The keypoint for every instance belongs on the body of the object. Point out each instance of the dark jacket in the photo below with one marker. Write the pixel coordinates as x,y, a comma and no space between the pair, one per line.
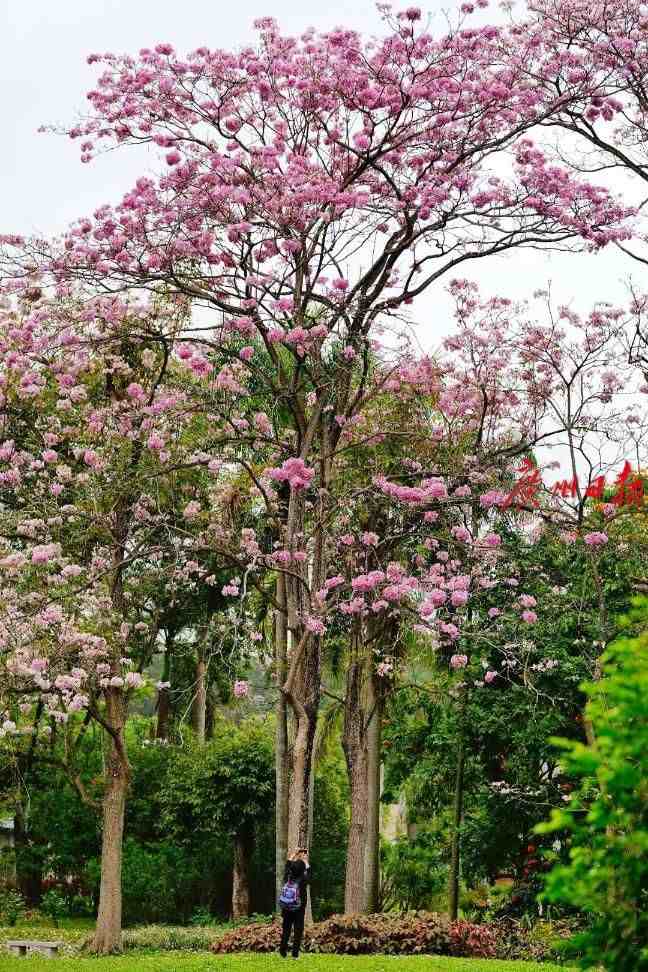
298,872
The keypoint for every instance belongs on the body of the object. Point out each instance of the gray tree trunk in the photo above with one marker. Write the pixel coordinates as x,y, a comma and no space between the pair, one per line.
372,841
282,775
108,935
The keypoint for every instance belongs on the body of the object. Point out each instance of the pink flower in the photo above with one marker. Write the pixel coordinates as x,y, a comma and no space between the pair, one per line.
91,458
44,553
527,600
437,597
173,157
293,471
529,616
370,539
461,533
384,669
494,612
493,498
458,661
459,598
595,539
136,392
246,353
191,510
241,689
492,540
315,625
490,676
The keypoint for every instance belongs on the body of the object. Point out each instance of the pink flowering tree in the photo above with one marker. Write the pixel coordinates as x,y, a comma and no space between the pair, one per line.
510,387
311,187
96,471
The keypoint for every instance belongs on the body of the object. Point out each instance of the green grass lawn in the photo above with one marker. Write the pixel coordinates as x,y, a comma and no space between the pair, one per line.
264,963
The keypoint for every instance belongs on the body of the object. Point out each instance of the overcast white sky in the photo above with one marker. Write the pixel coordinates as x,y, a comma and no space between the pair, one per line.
44,78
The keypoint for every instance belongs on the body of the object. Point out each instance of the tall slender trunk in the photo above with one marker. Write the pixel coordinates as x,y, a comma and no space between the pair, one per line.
308,917
302,767
29,873
163,699
457,816
282,780
240,876
302,688
354,744
210,715
199,707
375,707
107,936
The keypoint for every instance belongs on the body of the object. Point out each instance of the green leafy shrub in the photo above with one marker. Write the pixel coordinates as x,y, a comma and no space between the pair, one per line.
415,872
168,938
54,905
407,934
606,820
542,941
158,882
12,906
201,917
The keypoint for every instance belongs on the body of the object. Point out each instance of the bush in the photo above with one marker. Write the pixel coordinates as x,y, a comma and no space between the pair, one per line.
415,872
158,883
407,934
54,905
171,938
202,918
606,820
543,941
472,941
12,906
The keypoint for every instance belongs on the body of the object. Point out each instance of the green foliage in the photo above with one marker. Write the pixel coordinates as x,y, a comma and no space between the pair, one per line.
54,905
224,787
12,906
330,830
155,882
201,918
414,871
170,938
606,820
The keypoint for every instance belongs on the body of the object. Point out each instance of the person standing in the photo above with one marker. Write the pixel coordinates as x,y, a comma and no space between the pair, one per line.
292,900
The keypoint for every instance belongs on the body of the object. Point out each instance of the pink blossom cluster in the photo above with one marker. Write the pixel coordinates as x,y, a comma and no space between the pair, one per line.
295,472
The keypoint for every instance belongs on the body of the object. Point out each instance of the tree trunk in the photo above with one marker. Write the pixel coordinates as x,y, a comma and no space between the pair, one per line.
199,708
372,840
455,857
282,780
355,750
241,880
29,874
308,916
210,715
163,699
302,767
107,938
